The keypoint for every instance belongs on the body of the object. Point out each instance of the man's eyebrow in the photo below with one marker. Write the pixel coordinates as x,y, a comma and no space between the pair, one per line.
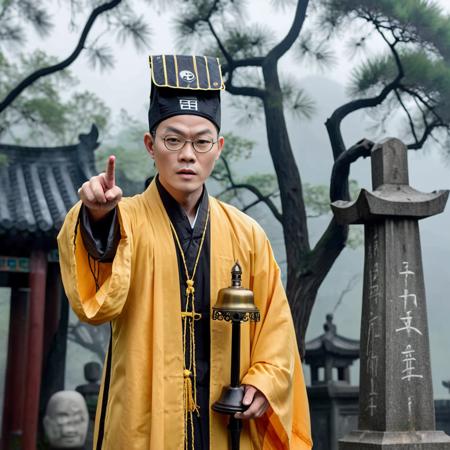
205,131
171,129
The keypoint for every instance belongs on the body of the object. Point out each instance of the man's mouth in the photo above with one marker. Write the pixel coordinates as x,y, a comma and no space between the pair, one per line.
185,172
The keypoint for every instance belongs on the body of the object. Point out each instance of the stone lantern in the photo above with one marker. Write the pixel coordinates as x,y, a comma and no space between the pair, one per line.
333,401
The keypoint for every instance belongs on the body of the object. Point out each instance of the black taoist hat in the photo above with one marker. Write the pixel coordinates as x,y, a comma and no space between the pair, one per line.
182,84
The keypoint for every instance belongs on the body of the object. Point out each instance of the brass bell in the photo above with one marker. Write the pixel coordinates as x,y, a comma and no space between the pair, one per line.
235,302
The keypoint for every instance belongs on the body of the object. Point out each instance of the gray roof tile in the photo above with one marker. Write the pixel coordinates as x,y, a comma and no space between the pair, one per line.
39,185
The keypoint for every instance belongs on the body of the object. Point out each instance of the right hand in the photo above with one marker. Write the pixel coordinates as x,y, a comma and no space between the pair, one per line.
100,194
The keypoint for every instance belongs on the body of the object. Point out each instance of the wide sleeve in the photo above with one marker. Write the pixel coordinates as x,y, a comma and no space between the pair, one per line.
275,362
97,291
102,237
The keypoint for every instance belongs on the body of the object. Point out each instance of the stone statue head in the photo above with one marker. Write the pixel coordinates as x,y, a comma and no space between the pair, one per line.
66,420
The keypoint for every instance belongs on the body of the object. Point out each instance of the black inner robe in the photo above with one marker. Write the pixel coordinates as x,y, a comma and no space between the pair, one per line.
101,241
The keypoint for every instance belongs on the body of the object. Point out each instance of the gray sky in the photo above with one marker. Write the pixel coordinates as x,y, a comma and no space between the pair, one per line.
127,86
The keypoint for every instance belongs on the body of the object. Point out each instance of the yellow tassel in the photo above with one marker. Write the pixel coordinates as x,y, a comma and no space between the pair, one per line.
190,287
189,378
190,404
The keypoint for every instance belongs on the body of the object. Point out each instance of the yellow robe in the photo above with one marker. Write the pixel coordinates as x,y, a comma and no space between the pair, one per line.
140,295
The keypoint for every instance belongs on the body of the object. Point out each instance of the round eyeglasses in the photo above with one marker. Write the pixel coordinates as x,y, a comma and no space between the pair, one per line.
176,143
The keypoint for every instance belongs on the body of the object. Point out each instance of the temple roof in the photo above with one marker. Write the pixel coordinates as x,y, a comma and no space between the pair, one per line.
38,185
330,343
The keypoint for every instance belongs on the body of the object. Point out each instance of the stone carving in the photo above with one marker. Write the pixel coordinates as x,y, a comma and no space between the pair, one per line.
396,409
66,420
333,401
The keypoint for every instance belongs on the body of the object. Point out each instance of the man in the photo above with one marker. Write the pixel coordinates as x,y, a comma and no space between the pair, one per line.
152,265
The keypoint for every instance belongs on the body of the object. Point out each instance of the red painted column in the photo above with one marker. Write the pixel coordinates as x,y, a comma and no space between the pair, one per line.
12,430
38,275
52,306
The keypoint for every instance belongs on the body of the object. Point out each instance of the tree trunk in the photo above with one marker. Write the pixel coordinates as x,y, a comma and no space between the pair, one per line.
295,226
306,268
302,292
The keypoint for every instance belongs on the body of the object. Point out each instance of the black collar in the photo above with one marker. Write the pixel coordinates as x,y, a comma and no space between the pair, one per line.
178,216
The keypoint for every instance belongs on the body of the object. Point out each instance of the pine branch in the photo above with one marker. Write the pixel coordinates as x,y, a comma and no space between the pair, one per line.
222,48
255,203
333,124
348,288
424,101
255,61
14,93
247,91
418,143
408,114
286,43
341,168
253,189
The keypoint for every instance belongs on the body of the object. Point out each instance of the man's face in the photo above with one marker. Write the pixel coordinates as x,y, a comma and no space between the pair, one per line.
183,172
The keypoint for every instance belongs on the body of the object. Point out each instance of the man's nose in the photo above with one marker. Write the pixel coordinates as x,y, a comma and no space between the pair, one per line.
187,153
69,429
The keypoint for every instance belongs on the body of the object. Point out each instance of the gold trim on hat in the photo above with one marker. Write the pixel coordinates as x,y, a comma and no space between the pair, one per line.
220,86
166,81
176,70
194,60
207,72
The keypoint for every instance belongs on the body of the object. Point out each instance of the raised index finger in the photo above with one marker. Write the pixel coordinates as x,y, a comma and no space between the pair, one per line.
110,174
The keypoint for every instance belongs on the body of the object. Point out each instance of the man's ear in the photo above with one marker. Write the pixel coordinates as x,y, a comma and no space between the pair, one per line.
220,144
149,142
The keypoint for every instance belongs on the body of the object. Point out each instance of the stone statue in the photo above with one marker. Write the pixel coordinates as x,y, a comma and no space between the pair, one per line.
66,420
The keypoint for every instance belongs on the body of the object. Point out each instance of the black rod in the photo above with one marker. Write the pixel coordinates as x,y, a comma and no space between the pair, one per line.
235,427
235,354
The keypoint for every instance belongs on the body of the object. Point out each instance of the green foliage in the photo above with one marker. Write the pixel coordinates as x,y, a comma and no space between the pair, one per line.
50,111
355,237
16,15
43,114
313,51
416,34
317,199
194,19
265,182
247,109
430,78
235,149
127,145
253,40
3,159
413,21
296,100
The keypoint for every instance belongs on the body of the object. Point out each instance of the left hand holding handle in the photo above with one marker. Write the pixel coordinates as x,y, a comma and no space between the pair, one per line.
258,403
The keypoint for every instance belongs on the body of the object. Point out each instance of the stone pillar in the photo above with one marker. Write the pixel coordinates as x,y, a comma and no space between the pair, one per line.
396,409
